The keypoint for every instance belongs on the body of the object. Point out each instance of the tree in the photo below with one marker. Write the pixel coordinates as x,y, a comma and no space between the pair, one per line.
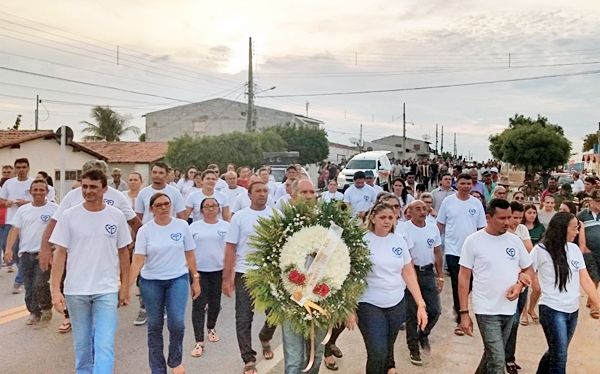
109,126
236,148
310,141
534,145
589,141
142,137
17,122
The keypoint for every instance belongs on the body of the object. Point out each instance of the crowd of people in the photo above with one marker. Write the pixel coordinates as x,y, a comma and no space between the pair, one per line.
510,263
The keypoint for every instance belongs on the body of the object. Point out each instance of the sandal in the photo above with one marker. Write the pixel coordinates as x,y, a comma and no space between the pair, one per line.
331,366
534,317
250,368
266,350
212,336
65,327
458,331
198,350
524,321
595,313
336,351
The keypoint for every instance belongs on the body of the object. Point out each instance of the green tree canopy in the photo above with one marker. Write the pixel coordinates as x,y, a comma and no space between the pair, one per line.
310,141
109,125
534,145
589,141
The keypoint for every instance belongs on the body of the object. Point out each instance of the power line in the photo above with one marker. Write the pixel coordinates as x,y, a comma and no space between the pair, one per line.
539,77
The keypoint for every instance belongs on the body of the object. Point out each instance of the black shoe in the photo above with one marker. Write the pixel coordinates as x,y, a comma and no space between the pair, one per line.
511,368
415,358
403,326
424,340
335,351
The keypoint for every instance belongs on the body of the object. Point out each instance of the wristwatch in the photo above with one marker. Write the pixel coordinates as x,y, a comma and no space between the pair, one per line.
196,275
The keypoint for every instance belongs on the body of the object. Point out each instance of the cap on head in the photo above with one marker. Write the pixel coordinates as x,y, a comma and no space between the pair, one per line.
494,169
369,174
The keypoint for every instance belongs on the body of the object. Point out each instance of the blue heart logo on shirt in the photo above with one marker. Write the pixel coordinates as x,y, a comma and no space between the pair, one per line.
575,264
430,242
511,252
397,251
366,197
111,229
176,236
109,202
45,218
472,211
221,233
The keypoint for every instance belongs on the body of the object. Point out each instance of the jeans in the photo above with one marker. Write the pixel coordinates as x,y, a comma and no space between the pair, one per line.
37,288
4,230
494,330
172,295
94,321
559,328
431,296
511,344
210,296
379,328
296,350
453,268
244,314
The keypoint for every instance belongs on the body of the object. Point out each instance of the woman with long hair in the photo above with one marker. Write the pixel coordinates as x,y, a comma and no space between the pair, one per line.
562,273
381,309
536,231
192,203
185,184
401,192
134,181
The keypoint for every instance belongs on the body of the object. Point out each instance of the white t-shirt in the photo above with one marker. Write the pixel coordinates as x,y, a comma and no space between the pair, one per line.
14,189
361,199
389,255
568,300
142,203
241,227
185,187
578,186
31,222
209,239
194,200
51,194
282,200
111,197
243,201
92,240
496,262
233,193
377,189
279,192
273,188
221,185
462,218
522,232
164,248
328,196
425,240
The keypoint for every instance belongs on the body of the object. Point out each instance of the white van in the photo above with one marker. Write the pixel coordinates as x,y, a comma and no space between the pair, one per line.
376,161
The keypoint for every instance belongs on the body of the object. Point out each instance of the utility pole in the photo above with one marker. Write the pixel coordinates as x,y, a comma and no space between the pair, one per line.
250,120
454,145
37,107
307,104
509,60
360,140
436,139
442,143
404,130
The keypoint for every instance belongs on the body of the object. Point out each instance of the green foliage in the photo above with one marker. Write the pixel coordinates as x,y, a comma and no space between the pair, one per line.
236,148
109,126
265,281
589,141
310,141
142,137
534,145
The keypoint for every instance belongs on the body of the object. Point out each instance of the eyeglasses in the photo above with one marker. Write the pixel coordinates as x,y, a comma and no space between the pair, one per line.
428,201
162,205
210,207
520,198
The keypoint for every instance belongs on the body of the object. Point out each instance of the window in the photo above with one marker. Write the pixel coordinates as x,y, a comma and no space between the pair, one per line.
417,147
70,175
361,164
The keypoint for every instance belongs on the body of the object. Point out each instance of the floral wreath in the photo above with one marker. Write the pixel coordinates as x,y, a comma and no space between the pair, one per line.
287,243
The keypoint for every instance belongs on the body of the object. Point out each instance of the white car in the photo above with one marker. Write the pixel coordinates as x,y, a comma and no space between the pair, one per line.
376,161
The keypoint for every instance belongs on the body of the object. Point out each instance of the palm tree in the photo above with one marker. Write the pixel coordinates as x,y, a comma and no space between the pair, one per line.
109,126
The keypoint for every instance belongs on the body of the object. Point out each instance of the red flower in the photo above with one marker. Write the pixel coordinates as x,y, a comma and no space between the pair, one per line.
321,289
297,277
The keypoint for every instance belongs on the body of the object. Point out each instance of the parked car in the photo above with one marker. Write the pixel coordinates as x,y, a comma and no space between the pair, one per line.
376,161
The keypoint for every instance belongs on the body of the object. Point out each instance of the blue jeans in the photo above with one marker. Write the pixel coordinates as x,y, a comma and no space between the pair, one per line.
379,328
511,344
296,350
172,295
494,330
4,230
559,328
94,320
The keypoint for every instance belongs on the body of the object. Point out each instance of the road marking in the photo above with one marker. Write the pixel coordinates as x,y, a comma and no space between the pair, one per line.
12,314
264,366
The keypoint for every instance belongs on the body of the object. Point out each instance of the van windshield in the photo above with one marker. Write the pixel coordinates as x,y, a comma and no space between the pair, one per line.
361,164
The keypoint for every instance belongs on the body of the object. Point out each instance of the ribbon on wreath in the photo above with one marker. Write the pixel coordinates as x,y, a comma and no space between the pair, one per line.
315,272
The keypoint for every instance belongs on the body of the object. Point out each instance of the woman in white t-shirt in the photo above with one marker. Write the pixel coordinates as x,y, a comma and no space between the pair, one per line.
134,181
185,184
192,203
399,188
332,192
209,238
562,273
164,258
381,309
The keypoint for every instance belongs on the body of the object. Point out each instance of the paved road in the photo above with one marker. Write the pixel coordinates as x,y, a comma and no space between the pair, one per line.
43,350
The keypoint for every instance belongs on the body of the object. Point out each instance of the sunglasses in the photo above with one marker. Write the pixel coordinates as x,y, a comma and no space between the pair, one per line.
162,205
520,198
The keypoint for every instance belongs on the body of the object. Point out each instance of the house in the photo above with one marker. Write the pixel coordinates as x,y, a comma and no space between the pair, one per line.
215,117
341,153
42,149
415,148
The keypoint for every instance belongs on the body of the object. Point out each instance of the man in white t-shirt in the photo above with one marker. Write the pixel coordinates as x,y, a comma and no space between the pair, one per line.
360,196
497,260
237,247
96,237
243,200
577,185
233,190
427,258
459,216
265,173
221,185
291,172
370,180
159,174
28,226
15,193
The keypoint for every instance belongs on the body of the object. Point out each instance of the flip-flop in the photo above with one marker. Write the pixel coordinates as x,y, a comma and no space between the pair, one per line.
250,368
65,327
458,331
524,321
595,313
331,366
266,350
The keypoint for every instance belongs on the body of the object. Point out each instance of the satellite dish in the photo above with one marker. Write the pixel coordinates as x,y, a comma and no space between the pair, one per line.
69,135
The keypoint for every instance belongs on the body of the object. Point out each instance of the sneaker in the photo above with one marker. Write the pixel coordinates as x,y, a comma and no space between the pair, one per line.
17,288
46,315
424,340
415,358
198,350
32,320
141,318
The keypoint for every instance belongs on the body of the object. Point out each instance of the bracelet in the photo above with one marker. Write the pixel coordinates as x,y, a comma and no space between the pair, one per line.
463,311
196,275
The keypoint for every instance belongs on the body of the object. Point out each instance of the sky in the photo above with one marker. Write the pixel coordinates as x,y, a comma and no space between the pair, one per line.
172,53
